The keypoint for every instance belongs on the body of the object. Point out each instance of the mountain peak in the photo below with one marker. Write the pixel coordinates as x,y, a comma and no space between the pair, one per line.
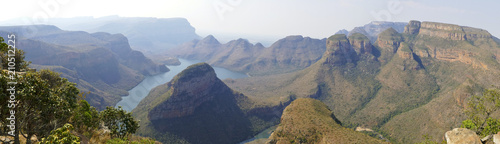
210,39
195,70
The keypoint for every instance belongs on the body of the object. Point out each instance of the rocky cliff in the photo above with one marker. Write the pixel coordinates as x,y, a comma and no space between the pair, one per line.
341,50
446,31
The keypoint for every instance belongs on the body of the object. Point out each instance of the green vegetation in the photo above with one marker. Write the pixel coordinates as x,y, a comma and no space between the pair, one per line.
357,36
62,135
20,64
338,37
479,111
47,106
311,121
119,122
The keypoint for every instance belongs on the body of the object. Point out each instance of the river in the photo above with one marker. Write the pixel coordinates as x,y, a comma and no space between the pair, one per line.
140,91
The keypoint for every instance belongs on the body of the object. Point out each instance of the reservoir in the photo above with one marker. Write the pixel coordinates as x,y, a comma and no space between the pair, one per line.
140,91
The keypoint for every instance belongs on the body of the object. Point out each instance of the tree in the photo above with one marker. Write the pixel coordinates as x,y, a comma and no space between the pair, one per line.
479,110
20,64
62,135
44,102
85,118
119,122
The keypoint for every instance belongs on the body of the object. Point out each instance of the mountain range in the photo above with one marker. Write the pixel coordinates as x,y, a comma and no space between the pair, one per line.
403,80
100,63
285,55
404,84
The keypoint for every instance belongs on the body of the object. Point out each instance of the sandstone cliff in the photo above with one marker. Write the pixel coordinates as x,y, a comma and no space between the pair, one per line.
446,31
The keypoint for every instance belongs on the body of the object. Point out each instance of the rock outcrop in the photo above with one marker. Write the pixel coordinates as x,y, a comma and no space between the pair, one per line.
462,136
446,31
404,51
339,50
389,40
360,43
413,27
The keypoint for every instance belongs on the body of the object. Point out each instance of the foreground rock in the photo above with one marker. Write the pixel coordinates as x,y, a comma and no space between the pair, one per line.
462,136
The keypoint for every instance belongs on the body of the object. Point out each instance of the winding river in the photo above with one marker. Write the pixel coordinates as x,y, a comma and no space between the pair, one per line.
140,91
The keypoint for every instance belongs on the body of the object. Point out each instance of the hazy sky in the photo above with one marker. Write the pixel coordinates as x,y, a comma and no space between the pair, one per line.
274,18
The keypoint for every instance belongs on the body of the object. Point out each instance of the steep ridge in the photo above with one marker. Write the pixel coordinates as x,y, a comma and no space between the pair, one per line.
101,63
308,120
197,107
413,83
285,55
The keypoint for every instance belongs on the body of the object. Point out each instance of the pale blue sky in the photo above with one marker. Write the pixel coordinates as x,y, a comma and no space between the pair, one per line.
271,18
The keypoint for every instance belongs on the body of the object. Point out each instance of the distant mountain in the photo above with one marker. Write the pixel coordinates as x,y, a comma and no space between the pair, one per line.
148,35
197,107
285,55
373,29
101,63
308,120
405,84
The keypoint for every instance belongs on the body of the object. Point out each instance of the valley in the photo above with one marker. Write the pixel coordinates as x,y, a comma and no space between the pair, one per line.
383,82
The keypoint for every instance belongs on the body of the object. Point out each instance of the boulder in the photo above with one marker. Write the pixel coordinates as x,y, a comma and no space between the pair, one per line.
496,138
462,136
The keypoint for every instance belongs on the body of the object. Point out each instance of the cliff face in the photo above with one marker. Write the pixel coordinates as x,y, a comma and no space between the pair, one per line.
360,43
341,50
446,31
413,27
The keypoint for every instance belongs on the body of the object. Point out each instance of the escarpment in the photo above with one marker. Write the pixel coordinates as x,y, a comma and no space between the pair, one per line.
446,31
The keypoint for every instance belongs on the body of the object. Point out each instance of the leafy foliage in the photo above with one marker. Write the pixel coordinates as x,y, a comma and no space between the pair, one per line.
44,101
85,118
119,122
20,64
62,135
479,112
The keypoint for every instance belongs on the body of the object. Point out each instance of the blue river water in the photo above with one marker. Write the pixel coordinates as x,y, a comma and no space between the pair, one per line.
140,91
